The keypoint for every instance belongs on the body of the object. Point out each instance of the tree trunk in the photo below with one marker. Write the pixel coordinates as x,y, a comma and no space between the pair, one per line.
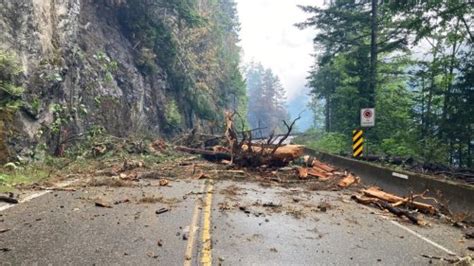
469,152
373,54
327,114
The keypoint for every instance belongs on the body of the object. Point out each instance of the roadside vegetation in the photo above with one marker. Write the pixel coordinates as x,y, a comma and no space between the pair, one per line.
412,61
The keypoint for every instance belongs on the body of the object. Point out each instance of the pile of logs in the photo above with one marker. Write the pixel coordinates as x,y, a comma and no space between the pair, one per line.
323,172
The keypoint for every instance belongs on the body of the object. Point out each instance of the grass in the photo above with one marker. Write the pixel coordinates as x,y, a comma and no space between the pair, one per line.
22,176
57,168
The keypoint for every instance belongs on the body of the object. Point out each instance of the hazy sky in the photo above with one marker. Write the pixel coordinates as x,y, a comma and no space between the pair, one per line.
268,35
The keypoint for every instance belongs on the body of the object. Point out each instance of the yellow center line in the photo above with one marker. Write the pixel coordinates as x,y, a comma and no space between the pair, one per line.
206,258
192,231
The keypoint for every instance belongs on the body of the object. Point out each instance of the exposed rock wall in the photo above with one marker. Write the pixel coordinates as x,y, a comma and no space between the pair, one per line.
68,50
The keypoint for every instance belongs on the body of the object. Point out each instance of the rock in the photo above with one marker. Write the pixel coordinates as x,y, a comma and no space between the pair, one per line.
8,199
102,203
469,233
164,182
71,61
162,210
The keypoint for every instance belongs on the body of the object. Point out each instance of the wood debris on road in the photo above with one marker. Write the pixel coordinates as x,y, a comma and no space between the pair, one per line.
348,181
102,203
8,199
377,193
164,182
400,206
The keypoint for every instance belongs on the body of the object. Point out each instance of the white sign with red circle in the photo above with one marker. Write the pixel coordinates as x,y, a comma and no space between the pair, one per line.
367,117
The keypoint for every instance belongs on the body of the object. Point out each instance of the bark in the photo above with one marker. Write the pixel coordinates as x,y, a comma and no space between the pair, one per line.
373,53
376,193
318,174
387,206
207,154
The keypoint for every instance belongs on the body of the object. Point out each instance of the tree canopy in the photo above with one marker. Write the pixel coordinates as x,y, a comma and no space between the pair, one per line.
421,67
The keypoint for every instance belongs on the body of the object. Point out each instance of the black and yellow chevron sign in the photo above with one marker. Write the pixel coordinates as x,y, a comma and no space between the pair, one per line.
357,143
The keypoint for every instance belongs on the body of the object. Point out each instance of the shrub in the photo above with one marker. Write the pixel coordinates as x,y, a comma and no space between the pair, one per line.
10,70
172,114
328,142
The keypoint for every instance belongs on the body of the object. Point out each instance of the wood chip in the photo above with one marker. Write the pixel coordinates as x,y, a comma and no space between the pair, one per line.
102,203
303,173
164,182
317,173
348,181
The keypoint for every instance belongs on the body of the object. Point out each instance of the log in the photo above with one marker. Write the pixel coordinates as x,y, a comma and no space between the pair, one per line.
385,205
364,200
318,174
206,154
8,199
400,212
376,193
348,181
322,166
284,153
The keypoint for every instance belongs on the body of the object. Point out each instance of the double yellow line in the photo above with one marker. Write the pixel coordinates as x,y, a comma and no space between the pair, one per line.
206,258
206,247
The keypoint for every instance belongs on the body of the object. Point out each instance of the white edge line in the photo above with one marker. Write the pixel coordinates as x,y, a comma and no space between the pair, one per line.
35,195
429,241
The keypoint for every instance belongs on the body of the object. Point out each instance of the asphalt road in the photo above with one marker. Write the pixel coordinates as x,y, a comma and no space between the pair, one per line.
223,222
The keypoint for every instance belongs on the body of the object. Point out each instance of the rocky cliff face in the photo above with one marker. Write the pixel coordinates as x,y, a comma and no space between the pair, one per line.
79,73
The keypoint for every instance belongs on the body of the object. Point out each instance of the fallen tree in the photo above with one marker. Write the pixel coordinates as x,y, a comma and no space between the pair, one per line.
389,207
243,152
397,201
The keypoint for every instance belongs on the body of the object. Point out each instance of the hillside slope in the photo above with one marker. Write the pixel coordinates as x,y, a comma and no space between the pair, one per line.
123,67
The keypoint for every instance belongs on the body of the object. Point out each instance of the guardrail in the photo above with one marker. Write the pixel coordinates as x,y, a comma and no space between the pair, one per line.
458,197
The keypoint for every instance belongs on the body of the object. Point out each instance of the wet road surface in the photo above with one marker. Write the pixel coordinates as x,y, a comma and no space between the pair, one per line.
218,222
